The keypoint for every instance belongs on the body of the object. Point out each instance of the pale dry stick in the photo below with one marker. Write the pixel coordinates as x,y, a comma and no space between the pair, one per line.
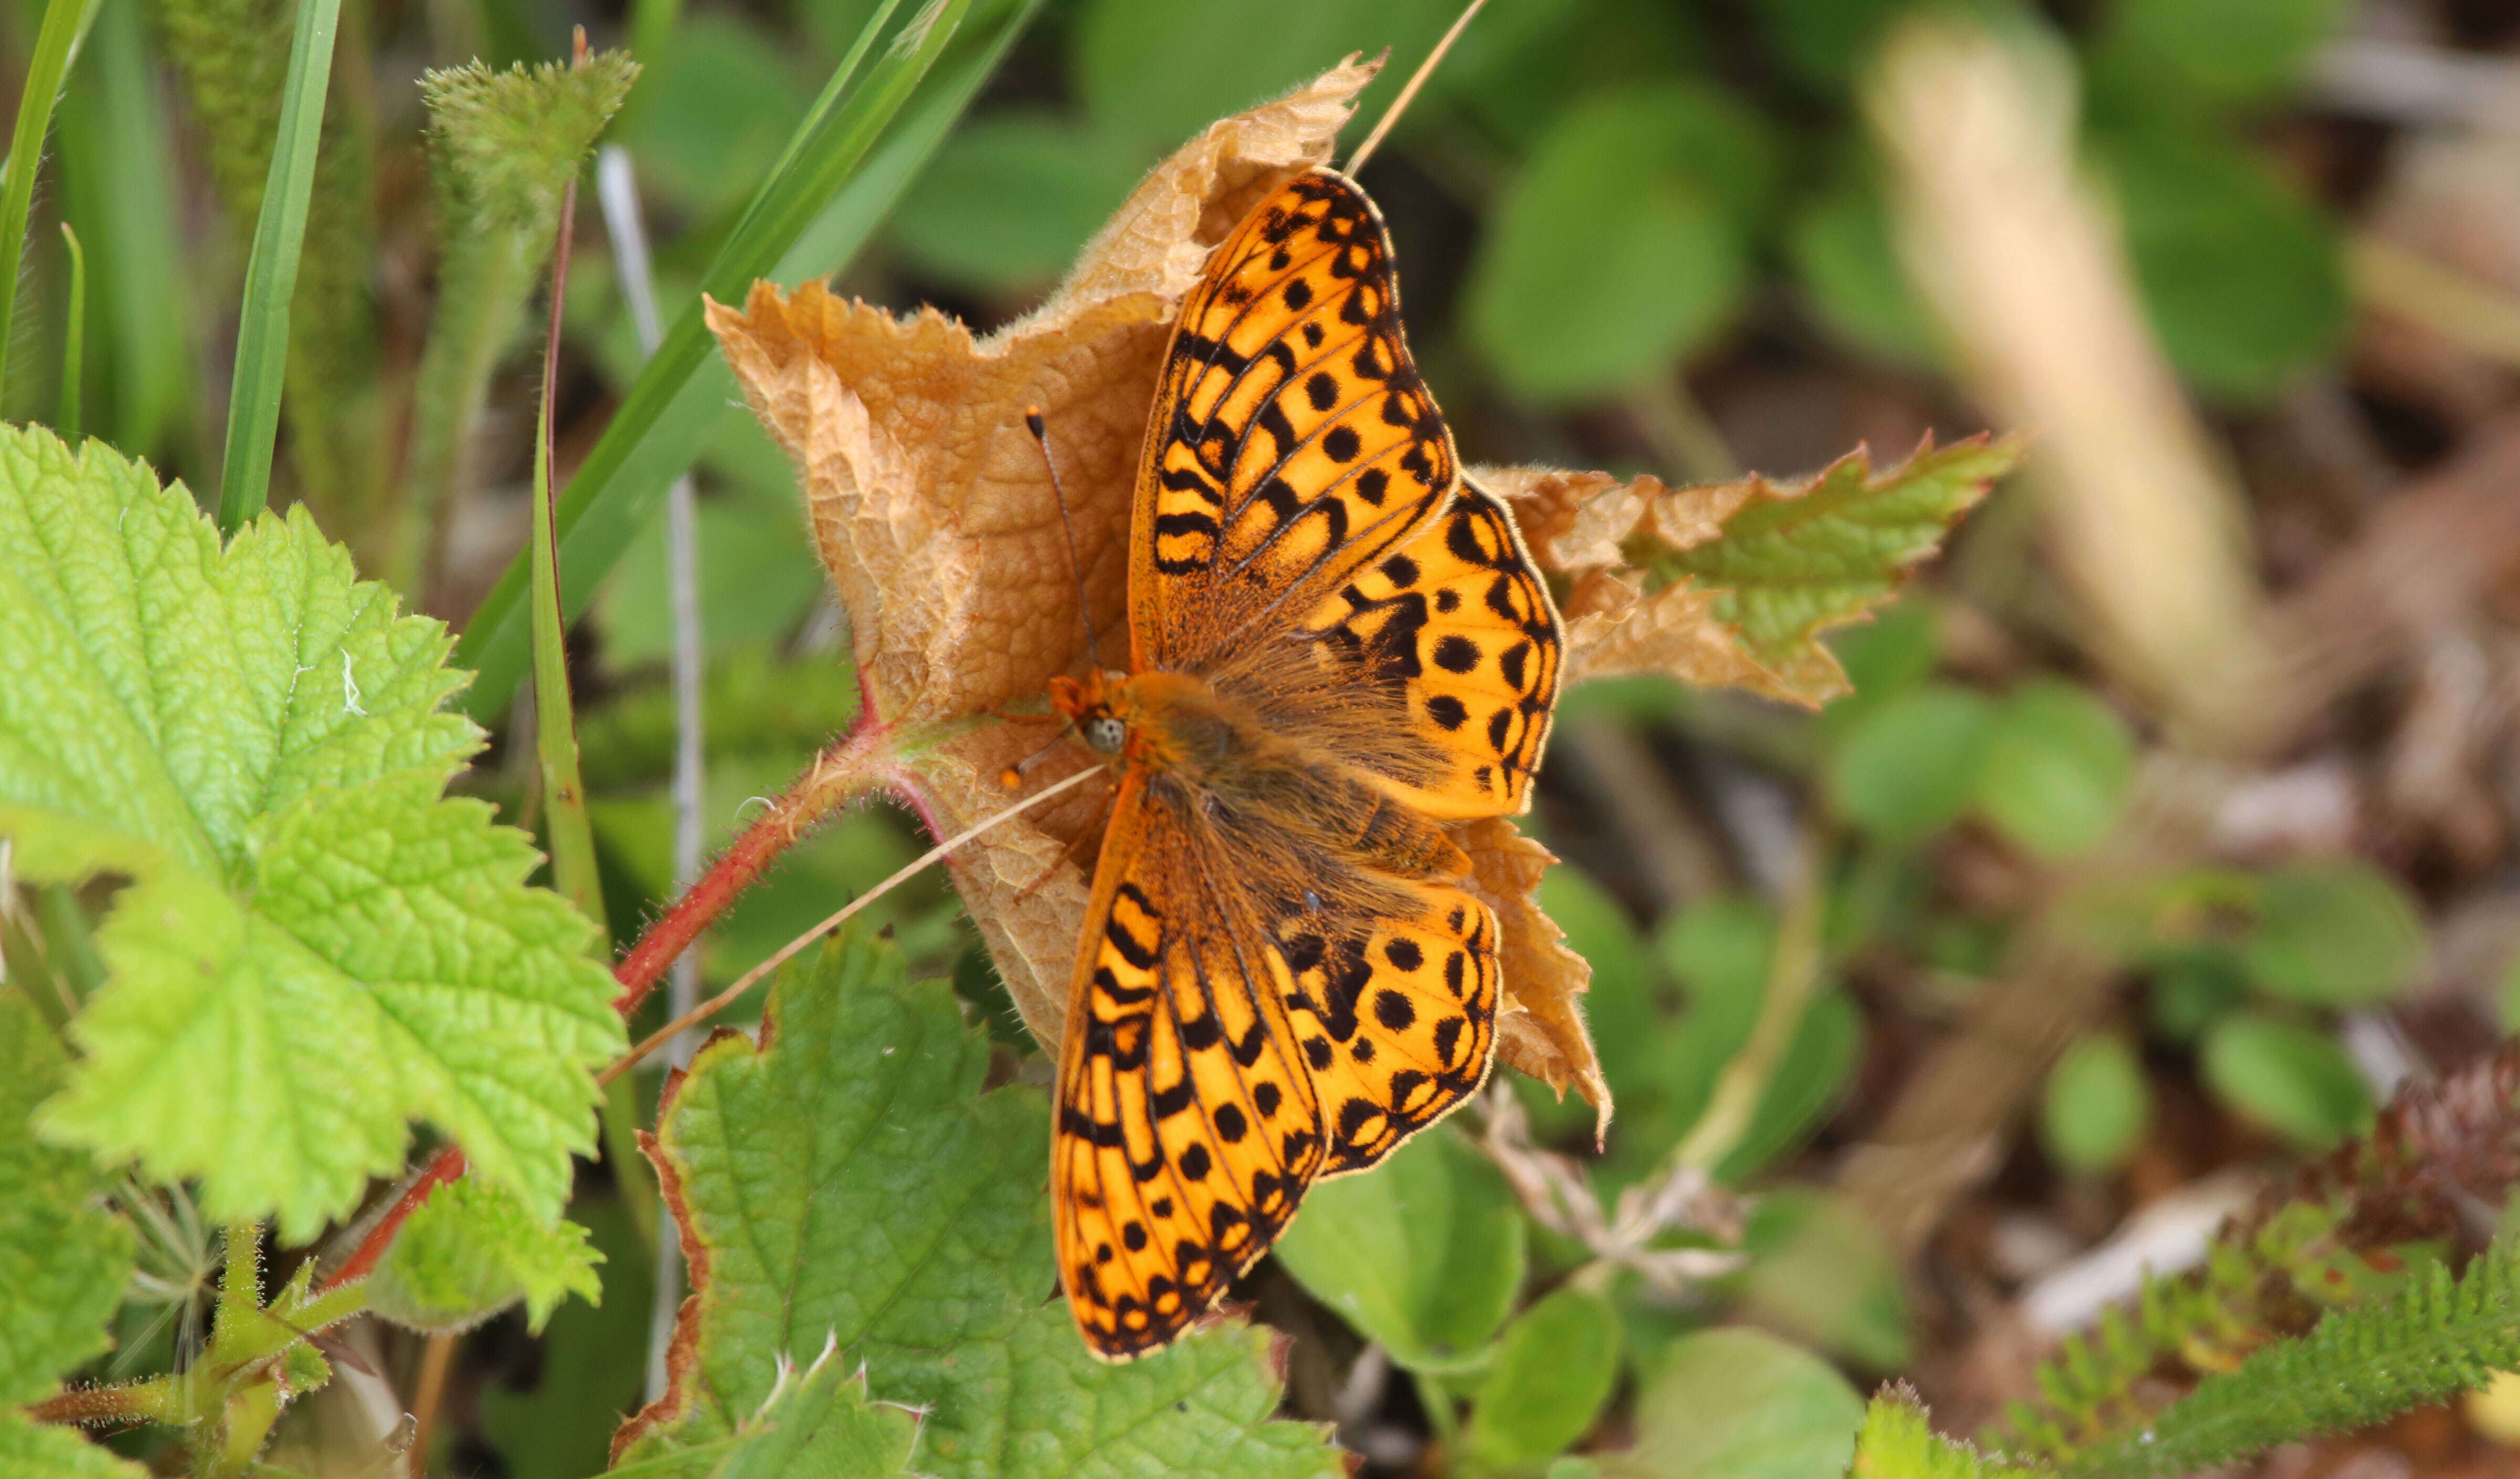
435,1359
2027,273
1409,94
1558,1193
727,997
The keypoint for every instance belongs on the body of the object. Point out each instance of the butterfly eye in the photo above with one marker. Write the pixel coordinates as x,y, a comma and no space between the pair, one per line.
1106,734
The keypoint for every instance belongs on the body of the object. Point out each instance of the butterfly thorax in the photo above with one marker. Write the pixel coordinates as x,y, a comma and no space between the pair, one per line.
1199,749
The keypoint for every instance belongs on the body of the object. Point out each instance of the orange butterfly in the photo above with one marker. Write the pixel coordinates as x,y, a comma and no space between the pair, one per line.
1336,643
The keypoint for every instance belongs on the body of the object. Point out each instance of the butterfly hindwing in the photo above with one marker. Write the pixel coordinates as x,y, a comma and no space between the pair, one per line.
1395,1017
1459,621
1292,439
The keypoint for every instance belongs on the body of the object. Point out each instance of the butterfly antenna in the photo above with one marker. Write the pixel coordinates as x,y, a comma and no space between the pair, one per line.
1417,80
1040,430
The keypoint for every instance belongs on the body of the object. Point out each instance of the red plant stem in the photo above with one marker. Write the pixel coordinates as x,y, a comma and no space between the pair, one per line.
449,1166
843,772
849,768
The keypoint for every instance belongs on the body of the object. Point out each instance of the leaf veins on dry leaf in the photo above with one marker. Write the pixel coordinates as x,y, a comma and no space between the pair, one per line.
939,527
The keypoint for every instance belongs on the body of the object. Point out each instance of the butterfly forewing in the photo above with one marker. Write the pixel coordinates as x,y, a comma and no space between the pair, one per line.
1292,439
1460,624
1188,1125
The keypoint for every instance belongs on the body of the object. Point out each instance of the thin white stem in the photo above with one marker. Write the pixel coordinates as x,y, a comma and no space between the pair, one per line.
618,191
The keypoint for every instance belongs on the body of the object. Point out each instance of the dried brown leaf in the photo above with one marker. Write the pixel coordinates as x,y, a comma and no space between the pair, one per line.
1540,1024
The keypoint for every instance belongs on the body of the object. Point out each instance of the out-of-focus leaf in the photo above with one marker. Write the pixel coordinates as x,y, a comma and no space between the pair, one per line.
1008,200
2056,767
1848,268
2097,1104
2241,275
2225,51
1738,1404
1157,72
1897,650
1554,1368
2337,932
1806,1081
1908,768
2293,1079
1823,43
1423,1255
1622,244
2192,987
1822,1272
757,575
471,1251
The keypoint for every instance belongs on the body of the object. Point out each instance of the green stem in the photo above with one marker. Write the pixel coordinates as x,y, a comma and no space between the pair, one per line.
1792,974
65,22
271,272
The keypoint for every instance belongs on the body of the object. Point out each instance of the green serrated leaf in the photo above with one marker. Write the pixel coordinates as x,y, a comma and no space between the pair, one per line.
1424,1255
1796,559
818,1422
1738,1404
847,1181
1897,1443
30,1451
1554,1368
63,1260
471,1251
315,948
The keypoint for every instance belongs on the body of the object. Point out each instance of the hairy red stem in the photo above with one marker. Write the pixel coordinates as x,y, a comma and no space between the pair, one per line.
845,770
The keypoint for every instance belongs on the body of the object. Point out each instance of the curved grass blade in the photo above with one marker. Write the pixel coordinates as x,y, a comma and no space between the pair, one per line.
68,423
271,272
65,22
838,182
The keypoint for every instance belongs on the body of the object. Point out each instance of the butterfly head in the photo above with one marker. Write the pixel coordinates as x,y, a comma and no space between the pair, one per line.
1090,704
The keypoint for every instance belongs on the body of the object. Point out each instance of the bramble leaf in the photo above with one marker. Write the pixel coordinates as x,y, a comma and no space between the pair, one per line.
315,946
1896,1442
62,1262
471,1251
846,1181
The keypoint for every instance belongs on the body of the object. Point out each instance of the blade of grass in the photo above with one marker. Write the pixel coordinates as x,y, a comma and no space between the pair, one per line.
619,187
572,836
677,400
271,271
65,22
118,182
68,423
